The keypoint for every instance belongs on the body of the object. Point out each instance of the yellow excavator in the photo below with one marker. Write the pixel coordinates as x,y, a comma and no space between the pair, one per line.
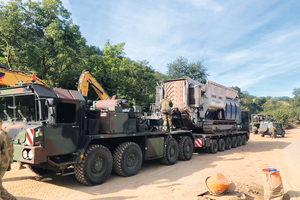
87,79
10,77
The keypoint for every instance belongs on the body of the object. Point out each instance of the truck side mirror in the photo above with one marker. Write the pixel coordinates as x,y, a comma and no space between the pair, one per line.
50,102
42,109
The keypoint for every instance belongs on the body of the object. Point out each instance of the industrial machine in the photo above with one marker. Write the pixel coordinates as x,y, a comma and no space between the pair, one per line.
86,79
210,110
10,77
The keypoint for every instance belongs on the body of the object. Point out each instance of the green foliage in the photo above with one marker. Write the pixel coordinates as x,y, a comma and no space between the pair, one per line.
180,68
284,109
296,92
282,115
121,76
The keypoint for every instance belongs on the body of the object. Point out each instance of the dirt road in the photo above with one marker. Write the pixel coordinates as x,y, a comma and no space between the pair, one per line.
183,180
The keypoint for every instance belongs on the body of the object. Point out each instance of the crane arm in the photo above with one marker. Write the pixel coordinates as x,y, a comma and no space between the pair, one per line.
10,76
87,79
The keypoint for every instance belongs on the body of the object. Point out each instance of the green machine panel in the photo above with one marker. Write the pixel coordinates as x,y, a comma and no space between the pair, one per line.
155,147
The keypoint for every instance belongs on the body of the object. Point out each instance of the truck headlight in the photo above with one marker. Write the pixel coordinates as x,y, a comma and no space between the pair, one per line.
25,154
30,154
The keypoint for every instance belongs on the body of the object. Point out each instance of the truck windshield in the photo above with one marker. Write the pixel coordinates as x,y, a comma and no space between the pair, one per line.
19,108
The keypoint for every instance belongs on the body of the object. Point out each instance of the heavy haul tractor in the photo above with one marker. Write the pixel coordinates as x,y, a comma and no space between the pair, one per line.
59,130
210,110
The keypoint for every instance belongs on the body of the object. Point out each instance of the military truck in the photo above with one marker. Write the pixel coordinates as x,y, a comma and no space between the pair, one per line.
59,130
256,120
265,129
210,110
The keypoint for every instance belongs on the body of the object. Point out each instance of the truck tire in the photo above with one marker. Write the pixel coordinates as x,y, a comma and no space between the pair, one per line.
283,134
244,140
221,145
186,148
128,159
239,141
40,171
170,152
213,147
95,167
233,142
228,144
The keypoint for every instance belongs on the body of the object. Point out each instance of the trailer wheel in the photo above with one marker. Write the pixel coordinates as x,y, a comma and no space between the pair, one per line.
221,145
233,142
186,148
239,141
40,171
244,140
170,152
213,147
95,167
228,144
128,159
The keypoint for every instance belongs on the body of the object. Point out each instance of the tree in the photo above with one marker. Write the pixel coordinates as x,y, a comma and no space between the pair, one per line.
40,37
296,92
271,105
128,79
13,22
180,68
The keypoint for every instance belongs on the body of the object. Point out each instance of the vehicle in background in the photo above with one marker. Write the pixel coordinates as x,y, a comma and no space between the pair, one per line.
256,120
11,77
265,129
86,79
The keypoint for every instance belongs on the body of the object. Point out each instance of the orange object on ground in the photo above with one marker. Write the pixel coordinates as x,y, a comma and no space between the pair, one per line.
217,183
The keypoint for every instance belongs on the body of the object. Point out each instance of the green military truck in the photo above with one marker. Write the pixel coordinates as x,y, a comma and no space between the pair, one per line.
59,130
256,120
265,129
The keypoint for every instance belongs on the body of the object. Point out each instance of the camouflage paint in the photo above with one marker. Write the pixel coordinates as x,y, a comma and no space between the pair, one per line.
54,138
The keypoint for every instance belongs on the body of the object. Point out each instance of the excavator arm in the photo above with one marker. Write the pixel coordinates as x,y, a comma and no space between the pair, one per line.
10,76
87,79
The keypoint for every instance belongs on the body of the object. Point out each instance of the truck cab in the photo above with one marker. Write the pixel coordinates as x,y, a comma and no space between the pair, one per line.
43,122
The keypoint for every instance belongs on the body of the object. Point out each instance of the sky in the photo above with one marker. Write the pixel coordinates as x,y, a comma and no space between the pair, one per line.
252,44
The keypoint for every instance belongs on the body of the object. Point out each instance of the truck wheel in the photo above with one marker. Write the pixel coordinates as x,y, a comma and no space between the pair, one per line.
170,152
40,171
221,145
213,147
262,135
128,159
186,148
228,144
95,167
244,140
283,134
239,140
233,142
